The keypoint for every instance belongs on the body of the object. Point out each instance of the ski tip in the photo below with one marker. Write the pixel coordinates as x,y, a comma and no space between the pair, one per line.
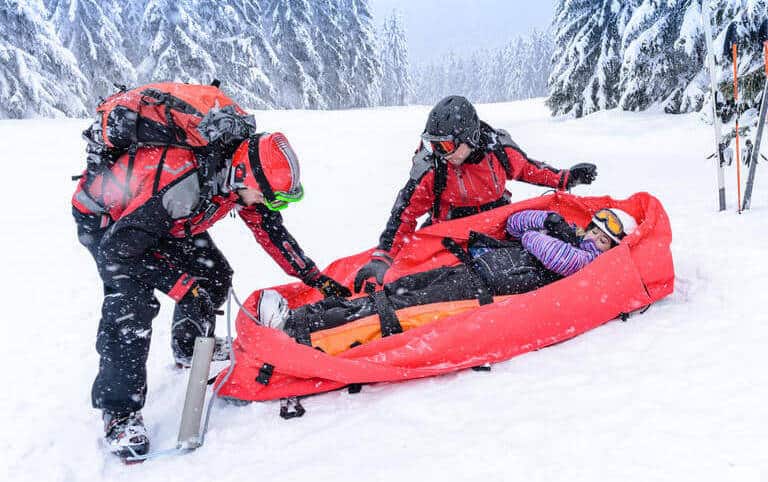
731,39
763,31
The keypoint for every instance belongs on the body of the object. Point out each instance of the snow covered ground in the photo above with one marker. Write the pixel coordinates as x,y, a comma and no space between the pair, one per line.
676,394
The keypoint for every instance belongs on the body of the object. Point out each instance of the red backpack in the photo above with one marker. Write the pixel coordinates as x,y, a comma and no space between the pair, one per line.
197,117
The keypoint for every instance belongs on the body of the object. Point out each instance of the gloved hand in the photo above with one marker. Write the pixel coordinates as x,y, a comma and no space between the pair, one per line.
197,305
376,267
557,227
582,173
329,286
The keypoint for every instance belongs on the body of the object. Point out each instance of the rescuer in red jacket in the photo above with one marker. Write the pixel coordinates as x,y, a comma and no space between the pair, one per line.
145,220
461,168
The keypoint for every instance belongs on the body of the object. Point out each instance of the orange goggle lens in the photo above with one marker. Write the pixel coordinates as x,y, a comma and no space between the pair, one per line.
440,145
443,147
611,222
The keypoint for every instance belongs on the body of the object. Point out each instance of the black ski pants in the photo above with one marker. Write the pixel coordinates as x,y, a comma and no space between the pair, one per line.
503,271
130,305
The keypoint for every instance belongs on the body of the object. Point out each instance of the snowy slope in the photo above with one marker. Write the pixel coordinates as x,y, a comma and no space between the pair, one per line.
675,394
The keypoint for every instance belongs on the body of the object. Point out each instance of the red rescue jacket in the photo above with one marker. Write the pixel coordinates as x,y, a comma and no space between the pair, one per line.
477,185
158,191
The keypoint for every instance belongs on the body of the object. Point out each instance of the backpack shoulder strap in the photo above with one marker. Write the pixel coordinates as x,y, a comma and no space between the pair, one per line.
500,140
441,177
423,162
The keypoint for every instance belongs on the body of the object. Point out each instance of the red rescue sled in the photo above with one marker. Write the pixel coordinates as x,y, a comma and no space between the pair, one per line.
629,277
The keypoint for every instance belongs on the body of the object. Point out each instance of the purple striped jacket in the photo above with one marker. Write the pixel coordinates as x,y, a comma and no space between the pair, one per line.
554,254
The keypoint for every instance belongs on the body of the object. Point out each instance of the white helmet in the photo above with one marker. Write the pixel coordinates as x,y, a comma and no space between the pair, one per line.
615,223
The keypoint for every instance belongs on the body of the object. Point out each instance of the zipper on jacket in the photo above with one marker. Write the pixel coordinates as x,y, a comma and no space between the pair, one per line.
462,187
493,175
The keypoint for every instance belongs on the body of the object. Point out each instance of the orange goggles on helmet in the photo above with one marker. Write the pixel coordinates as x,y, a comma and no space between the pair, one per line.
609,222
439,145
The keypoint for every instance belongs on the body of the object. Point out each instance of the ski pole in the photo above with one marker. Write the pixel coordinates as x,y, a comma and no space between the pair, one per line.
719,154
732,44
763,36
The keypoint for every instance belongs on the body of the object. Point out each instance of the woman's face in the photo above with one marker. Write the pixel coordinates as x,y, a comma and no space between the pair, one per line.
601,240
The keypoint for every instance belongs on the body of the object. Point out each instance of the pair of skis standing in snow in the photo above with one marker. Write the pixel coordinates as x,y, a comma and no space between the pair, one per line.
166,161
731,50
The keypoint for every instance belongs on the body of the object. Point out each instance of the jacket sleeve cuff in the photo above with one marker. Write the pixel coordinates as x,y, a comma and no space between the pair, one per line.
181,287
564,178
311,276
382,256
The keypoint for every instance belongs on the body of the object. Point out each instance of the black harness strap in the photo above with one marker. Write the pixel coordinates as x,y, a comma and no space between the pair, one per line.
440,181
464,211
129,173
483,294
159,172
390,325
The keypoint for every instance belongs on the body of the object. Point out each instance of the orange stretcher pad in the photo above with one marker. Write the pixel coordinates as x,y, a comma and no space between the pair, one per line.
444,337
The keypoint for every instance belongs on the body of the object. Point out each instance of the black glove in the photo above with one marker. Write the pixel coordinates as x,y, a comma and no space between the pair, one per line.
557,227
582,173
197,305
375,268
328,286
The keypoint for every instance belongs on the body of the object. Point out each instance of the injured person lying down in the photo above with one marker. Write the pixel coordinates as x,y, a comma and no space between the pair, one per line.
541,248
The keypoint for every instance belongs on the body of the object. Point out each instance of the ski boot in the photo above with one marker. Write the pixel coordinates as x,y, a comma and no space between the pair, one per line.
272,310
220,353
125,434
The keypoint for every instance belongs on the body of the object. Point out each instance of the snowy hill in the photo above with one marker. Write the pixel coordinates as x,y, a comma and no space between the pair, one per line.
675,394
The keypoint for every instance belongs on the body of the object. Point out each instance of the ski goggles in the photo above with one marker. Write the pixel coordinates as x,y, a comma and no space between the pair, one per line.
275,200
439,145
609,222
283,199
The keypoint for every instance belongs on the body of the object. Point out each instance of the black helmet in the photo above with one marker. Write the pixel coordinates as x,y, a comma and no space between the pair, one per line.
454,116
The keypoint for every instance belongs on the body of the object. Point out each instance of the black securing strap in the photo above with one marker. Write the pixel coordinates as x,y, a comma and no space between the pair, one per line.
390,325
625,316
484,296
354,388
482,368
291,408
302,332
216,83
265,373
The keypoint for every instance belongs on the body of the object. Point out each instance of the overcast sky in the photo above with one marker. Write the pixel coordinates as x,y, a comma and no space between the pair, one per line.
435,27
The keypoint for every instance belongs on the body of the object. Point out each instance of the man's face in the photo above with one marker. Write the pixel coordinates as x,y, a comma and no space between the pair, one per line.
601,240
250,196
459,155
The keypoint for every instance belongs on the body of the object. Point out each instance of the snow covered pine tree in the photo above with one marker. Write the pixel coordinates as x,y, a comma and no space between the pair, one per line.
38,75
397,86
